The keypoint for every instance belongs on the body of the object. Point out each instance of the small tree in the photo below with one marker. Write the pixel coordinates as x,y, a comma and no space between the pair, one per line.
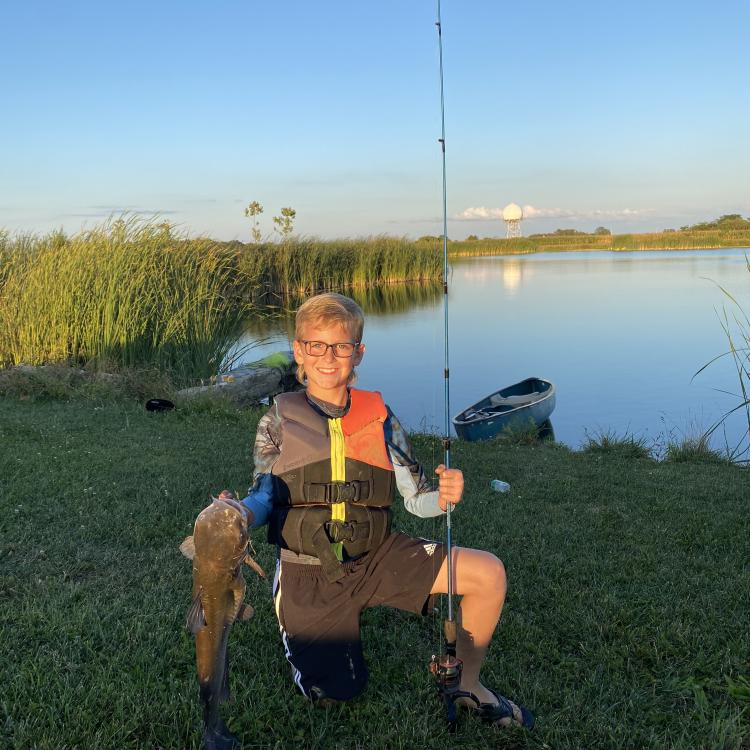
602,230
285,222
253,211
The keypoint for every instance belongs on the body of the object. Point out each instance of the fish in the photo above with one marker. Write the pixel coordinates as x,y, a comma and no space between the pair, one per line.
218,548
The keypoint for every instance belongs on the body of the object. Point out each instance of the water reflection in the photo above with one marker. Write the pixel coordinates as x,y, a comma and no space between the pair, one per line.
512,275
510,272
621,335
393,299
275,324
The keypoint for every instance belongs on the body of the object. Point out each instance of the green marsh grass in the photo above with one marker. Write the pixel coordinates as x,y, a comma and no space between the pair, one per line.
694,450
735,323
677,240
609,443
131,293
300,265
128,293
525,434
625,624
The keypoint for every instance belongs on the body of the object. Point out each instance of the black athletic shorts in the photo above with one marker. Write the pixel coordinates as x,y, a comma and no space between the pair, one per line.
319,620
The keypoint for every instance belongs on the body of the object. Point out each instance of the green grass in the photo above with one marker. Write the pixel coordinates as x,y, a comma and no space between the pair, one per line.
625,626
302,265
131,293
694,450
675,240
608,442
127,293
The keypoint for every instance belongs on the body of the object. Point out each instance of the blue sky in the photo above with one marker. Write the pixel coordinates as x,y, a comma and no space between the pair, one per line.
630,115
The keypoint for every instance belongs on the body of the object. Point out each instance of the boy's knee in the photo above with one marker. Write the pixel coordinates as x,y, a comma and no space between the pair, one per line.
496,577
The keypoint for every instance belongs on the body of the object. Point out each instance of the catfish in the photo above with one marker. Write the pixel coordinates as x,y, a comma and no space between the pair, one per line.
218,548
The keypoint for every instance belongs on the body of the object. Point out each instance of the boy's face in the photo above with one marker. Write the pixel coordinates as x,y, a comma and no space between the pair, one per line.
327,375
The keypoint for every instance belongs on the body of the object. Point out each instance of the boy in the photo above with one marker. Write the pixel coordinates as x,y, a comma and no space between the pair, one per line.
326,462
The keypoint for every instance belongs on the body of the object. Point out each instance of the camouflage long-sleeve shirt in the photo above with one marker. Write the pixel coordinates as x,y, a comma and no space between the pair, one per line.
419,496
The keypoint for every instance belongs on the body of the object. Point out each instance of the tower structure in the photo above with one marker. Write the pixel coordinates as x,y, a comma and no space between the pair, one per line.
512,216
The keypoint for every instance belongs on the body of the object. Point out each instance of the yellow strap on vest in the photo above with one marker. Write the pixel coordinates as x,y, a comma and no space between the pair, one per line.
338,474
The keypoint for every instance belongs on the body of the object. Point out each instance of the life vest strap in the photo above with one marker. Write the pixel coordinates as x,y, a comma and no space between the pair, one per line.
311,531
337,492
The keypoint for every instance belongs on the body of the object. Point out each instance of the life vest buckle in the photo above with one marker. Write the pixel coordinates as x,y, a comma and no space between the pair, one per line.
340,492
341,531
336,492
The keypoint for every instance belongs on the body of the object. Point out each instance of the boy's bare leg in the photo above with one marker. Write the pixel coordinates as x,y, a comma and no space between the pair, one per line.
479,578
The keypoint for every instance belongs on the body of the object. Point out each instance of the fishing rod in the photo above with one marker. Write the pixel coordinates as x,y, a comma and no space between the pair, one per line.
446,667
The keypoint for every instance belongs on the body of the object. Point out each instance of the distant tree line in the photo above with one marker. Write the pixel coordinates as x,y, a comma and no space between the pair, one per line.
727,221
572,233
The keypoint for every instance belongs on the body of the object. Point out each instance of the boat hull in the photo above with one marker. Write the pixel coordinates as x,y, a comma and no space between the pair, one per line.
515,408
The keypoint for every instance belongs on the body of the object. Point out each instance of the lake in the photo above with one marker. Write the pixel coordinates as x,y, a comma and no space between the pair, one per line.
621,334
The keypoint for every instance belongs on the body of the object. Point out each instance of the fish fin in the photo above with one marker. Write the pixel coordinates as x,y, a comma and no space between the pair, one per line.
246,612
188,547
196,619
225,693
255,566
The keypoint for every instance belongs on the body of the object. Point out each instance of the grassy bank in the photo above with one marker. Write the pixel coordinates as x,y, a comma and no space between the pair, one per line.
625,627
673,240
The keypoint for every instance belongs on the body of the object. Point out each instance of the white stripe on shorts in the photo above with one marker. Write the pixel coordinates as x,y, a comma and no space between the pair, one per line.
296,674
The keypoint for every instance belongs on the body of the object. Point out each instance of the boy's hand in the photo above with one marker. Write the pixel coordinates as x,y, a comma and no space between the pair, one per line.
228,497
451,486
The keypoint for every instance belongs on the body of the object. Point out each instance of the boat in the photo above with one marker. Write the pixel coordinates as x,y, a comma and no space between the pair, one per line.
513,408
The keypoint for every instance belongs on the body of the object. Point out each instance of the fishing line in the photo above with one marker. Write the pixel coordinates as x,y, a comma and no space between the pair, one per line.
446,370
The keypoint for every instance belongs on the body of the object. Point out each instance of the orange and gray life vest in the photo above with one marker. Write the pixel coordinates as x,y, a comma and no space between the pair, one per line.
334,480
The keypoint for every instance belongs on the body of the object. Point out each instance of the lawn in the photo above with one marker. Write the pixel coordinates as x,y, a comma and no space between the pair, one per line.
626,623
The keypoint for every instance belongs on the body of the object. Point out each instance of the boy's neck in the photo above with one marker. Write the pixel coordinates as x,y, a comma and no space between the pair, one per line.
336,398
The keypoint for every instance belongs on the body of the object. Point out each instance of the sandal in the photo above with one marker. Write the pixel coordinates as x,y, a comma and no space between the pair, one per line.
504,709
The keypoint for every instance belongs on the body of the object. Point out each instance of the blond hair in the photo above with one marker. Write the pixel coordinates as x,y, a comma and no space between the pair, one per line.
327,309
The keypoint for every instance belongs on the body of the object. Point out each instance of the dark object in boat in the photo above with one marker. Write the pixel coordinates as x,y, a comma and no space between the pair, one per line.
515,407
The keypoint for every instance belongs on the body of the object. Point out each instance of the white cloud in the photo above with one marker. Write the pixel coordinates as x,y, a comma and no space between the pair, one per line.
482,213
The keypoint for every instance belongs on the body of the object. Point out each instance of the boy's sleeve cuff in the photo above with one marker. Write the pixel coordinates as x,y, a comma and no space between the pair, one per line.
258,508
259,500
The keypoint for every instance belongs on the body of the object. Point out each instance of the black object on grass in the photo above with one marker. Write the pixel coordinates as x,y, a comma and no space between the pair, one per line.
159,404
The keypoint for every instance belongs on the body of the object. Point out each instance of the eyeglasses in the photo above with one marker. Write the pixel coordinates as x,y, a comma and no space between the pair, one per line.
342,350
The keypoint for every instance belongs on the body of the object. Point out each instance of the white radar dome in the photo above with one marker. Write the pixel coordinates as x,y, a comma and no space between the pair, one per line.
512,212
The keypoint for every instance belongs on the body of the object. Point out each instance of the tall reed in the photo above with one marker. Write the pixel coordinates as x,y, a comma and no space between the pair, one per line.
303,265
127,292
735,323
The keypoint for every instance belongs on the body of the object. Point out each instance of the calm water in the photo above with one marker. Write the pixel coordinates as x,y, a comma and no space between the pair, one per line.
620,334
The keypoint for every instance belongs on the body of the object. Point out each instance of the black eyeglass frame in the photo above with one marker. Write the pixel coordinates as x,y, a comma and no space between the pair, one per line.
355,344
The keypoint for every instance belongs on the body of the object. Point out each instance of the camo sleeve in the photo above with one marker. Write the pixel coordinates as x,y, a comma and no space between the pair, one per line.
266,450
420,498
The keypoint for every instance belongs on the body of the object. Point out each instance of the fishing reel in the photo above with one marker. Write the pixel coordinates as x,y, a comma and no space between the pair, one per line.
446,669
